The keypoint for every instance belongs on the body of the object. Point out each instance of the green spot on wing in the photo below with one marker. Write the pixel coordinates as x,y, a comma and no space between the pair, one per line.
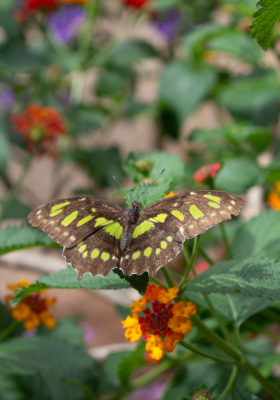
114,229
195,212
53,214
214,198
58,206
213,205
178,214
85,220
70,218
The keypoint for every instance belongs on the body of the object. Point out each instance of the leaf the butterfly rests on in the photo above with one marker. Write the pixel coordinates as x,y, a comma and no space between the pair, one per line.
99,235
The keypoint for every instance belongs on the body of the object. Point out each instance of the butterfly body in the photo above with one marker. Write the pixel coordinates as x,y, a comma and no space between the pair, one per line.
99,235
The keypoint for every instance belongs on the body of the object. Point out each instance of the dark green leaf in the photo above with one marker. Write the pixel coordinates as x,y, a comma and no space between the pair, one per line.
151,193
4,149
138,282
130,363
241,394
111,84
237,175
9,388
257,277
194,41
232,307
264,21
17,58
184,86
67,330
67,279
16,210
109,379
139,166
252,98
128,53
258,237
21,237
123,310
87,119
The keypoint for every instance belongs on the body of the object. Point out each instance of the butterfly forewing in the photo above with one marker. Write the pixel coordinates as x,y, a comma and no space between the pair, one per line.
69,221
167,223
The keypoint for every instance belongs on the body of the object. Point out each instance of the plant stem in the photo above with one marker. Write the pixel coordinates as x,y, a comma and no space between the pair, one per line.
158,370
230,383
186,252
15,188
215,339
220,321
194,252
6,332
195,350
225,239
269,386
205,256
168,277
159,282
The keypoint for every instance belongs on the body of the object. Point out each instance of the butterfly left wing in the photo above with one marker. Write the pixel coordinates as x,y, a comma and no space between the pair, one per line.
167,223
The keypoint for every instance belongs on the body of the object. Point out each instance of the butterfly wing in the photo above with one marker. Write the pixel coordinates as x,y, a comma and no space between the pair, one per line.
69,221
167,223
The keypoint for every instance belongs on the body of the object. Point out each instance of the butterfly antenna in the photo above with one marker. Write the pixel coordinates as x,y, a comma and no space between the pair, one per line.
117,181
151,184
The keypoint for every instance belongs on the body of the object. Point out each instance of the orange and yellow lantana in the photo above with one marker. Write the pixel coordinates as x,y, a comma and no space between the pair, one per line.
163,324
33,309
274,197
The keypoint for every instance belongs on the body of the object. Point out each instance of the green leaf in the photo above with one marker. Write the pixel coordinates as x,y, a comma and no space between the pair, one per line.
139,166
258,237
256,277
16,210
111,84
258,137
130,363
252,98
232,307
264,21
86,119
101,164
138,282
67,279
237,43
10,389
109,375
18,58
123,310
184,86
193,42
4,149
128,53
241,394
237,175
67,330
47,357
21,237
159,5
146,193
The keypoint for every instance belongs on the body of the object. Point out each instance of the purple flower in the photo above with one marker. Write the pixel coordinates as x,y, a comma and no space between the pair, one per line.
167,23
154,392
89,332
66,22
6,98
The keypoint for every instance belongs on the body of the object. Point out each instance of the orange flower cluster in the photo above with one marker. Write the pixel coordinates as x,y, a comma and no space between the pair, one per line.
163,324
33,309
274,197
40,127
169,195
207,171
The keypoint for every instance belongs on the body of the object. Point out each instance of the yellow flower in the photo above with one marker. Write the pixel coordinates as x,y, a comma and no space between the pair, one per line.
137,306
21,312
180,325
155,347
166,296
274,197
33,309
48,319
133,332
32,322
169,195
180,309
163,324
172,338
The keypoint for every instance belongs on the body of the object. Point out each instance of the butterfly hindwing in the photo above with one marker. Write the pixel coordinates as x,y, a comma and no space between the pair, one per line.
95,255
69,221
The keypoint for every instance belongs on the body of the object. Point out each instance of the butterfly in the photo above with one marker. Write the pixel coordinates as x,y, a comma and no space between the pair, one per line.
98,235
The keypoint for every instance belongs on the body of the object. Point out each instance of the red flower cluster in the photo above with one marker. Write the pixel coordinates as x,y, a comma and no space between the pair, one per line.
136,3
40,127
207,171
43,5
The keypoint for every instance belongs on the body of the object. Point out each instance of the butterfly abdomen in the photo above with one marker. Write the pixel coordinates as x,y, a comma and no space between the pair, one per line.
127,237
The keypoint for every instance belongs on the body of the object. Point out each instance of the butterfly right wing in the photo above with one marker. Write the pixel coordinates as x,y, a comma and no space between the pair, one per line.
68,221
